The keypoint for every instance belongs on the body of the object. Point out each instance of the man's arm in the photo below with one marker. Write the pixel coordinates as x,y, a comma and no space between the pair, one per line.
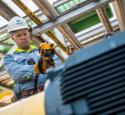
18,72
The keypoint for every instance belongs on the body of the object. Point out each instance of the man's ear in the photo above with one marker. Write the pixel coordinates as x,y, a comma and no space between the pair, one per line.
12,37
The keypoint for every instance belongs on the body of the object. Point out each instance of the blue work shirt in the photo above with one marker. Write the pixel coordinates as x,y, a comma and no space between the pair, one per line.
21,72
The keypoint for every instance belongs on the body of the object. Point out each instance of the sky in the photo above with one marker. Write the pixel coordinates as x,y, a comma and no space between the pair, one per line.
28,3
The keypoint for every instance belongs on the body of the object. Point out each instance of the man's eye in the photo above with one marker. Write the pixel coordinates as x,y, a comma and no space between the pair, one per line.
19,35
24,34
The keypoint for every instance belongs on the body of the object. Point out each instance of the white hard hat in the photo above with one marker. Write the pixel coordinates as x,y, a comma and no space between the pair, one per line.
17,23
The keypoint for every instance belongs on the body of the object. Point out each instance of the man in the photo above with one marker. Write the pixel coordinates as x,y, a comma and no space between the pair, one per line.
20,64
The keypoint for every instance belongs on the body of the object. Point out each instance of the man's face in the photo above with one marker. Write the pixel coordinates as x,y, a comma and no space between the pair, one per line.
22,38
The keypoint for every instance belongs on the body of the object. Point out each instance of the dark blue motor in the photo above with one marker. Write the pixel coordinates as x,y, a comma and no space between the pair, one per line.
91,81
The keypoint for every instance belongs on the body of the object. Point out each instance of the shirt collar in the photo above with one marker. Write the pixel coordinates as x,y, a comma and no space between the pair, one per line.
19,50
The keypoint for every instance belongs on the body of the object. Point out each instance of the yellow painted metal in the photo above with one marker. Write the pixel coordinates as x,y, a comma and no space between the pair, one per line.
27,11
53,37
5,93
38,22
6,96
33,105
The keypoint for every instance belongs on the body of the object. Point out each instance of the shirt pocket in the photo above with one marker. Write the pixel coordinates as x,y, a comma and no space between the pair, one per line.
21,60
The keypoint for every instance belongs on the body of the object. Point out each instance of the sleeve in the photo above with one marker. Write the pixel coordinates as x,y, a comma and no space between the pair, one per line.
19,73
42,79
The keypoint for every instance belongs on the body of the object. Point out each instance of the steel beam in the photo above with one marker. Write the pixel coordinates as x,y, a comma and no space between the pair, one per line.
66,31
22,6
5,44
52,14
104,19
60,56
119,10
47,9
54,38
73,14
6,12
3,29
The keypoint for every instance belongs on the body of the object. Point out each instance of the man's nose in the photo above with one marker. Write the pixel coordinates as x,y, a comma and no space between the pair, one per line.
23,37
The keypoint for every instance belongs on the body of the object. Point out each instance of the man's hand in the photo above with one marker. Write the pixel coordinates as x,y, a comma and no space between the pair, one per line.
43,65
38,67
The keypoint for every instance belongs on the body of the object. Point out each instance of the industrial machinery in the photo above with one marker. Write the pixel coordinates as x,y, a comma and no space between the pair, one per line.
91,81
